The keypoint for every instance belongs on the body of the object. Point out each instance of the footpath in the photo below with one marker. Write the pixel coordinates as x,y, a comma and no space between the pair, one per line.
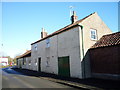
84,84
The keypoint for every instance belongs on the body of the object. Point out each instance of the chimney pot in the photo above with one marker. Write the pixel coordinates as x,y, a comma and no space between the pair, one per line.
43,33
74,18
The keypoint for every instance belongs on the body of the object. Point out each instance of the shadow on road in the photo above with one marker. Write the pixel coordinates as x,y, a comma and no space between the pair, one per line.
100,83
10,70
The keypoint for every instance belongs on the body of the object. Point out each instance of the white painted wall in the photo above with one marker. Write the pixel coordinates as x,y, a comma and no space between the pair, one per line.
69,43
25,66
64,44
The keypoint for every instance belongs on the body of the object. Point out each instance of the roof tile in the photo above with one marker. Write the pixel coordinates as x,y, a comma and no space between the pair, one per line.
25,54
108,40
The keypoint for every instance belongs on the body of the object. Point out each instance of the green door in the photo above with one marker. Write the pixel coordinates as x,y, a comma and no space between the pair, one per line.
63,66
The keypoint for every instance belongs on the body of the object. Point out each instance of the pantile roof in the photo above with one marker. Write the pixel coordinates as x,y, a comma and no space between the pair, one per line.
27,53
108,40
64,29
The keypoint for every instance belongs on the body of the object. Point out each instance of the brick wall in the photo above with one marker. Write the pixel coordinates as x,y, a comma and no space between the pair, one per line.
105,60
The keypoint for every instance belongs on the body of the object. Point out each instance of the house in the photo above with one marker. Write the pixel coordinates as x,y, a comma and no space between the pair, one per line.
24,60
65,52
4,61
105,57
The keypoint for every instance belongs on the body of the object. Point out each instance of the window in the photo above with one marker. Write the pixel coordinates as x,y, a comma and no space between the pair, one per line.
35,62
93,33
29,62
47,42
24,61
48,62
35,46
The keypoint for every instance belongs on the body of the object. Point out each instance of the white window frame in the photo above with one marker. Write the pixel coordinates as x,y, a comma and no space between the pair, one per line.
35,62
92,35
35,46
29,62
48,42
48,62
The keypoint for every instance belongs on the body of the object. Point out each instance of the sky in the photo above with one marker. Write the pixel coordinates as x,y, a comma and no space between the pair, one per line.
22,21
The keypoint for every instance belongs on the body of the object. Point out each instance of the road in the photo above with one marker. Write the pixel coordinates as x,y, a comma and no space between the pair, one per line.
14,79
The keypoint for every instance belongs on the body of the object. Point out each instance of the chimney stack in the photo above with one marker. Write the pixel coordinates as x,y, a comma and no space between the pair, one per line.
43,33
74,18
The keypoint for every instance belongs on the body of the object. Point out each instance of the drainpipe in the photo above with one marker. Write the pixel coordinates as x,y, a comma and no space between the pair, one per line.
82,50
82,41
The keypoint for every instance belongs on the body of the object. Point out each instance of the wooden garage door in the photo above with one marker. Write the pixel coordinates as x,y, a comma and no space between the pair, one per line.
63,66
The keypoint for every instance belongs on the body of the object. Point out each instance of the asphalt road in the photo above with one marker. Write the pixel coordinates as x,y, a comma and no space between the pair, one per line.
14,79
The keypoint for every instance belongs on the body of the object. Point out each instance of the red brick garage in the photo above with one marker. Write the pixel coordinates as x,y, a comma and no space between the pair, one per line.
105,57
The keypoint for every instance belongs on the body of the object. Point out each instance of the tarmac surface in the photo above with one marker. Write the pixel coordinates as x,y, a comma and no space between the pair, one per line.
12,80
84,84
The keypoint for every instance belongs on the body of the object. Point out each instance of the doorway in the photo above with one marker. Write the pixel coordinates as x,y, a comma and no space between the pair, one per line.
63,66
39,64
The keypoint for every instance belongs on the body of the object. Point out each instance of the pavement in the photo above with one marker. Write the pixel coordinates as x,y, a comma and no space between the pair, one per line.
85,84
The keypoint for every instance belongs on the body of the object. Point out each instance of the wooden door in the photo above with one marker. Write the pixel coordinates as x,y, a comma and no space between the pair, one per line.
63,66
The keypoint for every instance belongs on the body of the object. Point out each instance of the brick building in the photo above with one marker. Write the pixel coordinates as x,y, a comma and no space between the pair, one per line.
105,57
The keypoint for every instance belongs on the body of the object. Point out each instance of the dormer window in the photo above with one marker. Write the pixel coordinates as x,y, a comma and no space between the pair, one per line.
93,35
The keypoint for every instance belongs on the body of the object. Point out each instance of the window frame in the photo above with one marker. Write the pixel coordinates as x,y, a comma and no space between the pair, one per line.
48,62
47,42
24,61
35,46
29,62
35,62
94,34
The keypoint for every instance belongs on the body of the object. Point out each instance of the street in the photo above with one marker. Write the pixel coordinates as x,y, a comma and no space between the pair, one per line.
14,79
